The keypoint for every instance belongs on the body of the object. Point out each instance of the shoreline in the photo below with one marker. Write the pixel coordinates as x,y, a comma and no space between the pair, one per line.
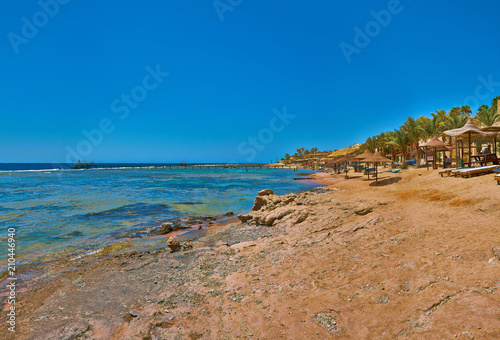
347,260
82,238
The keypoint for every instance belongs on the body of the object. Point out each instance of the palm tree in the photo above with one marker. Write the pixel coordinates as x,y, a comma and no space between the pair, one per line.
388,147
371,143
401,141
487,116
431,127
412,129
381,141
455,119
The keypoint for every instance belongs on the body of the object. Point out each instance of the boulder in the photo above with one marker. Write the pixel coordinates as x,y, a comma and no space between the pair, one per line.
276,215
258,203
245,218
266,192
170,226
301,217
275,199
259,218
173,243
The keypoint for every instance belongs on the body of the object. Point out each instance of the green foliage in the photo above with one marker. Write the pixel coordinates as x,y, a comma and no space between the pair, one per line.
487,115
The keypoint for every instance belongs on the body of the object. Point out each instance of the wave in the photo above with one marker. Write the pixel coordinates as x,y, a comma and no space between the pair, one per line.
38,170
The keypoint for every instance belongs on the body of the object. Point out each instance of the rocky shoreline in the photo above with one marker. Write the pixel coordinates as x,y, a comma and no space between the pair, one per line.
403,260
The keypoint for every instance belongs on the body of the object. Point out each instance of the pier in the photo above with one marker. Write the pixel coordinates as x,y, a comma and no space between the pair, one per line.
182,166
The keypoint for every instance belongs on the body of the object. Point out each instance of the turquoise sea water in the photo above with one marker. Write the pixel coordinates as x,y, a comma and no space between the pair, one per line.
82,210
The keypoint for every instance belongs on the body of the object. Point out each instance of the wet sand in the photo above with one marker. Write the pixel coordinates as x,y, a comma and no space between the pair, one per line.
414,256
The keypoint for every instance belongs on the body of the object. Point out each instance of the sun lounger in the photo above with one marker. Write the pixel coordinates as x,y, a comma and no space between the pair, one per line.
385,171
446,172
395,171
468,172
367,170
497,177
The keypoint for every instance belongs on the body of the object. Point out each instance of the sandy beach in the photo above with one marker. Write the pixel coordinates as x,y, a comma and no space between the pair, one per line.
415,256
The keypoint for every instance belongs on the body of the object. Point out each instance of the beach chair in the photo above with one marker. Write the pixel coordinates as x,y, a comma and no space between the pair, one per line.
446,172
497,177
385,171
469,172
395,171
369,170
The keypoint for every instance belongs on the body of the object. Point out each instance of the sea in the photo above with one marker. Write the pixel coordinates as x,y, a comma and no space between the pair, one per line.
59,210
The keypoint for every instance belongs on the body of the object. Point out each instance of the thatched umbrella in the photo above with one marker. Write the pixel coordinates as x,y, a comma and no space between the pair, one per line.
344,160
468,130
360,158
377,158
363,155
434,143
494,128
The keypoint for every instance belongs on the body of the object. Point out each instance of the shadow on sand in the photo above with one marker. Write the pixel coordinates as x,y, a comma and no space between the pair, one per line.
386,181
353,177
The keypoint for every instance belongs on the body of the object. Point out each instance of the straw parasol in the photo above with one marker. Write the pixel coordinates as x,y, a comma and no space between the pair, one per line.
494,128
360,158
434,143
468,130
377,158
363,155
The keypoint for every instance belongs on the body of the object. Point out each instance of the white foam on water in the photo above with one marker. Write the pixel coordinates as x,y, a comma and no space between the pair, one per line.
92,252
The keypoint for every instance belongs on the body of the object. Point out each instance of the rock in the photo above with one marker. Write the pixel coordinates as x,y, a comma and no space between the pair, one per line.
363,212
245,218
276,215
258,203
258,218
265,192
275,199
288,200
237,247
200,228
301,218
166,228
173,243
187,245
496,251
170,226
229,213
222,244
76,330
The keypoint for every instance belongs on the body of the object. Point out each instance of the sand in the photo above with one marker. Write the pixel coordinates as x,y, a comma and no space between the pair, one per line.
416,256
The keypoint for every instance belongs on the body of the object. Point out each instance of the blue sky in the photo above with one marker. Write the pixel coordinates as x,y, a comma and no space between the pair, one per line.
67,68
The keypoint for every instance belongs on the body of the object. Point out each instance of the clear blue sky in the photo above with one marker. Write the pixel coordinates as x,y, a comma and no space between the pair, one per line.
66,72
